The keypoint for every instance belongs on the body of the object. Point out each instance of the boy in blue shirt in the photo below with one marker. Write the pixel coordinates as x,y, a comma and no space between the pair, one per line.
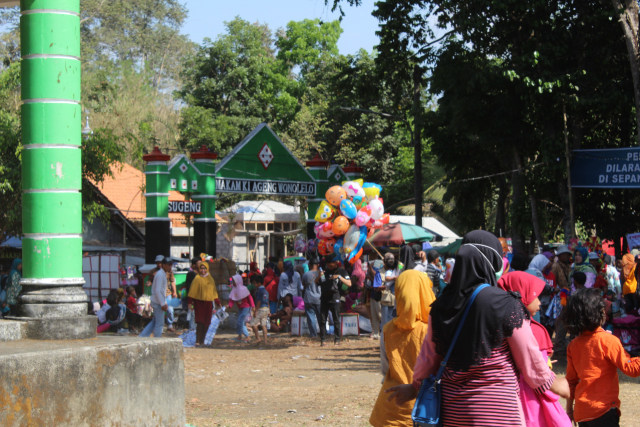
261,311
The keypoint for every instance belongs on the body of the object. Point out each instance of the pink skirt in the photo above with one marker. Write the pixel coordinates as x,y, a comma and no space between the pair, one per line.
542,410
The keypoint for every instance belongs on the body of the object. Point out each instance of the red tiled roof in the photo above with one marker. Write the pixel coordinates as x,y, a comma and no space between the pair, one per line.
125,190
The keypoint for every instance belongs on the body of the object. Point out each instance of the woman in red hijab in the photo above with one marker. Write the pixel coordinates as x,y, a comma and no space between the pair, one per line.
253,269
539,409
271,285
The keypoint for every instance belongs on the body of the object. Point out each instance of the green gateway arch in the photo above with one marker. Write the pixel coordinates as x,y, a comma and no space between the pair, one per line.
261,164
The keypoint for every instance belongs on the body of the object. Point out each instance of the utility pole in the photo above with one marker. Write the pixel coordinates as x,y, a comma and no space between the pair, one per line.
416,140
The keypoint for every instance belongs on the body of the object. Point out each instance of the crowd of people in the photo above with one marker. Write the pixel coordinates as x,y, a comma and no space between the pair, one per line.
560,304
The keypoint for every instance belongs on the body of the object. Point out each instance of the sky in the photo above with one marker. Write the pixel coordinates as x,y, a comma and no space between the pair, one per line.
207,17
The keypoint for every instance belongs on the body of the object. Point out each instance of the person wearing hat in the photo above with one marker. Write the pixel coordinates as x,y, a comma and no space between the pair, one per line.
562,271
158,300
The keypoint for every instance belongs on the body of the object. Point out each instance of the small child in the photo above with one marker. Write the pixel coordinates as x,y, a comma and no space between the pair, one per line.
579,279
133,318
241,297
539,409
593,359
261,311
112,314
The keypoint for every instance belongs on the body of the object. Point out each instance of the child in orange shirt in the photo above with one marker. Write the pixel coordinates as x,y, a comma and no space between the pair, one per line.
593,359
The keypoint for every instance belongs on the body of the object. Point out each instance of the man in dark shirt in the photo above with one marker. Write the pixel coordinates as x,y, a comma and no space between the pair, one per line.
336,280
434,270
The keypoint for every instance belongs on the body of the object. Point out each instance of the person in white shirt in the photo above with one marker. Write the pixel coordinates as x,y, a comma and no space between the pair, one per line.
421,262
158,301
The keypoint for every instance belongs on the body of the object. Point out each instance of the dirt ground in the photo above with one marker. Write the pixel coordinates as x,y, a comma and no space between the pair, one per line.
292,381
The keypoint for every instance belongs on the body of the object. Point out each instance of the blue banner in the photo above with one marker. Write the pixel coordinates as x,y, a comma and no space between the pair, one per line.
608,168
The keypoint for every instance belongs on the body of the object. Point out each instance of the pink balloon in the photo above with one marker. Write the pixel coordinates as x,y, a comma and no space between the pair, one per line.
363,216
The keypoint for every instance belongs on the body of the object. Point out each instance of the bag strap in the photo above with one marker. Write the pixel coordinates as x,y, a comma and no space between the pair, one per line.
443,364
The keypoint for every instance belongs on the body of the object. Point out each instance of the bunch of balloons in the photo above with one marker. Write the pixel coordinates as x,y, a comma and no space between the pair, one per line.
346,218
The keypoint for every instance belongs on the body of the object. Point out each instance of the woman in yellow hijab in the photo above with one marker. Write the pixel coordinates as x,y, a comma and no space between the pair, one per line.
629,283
400,345
201,296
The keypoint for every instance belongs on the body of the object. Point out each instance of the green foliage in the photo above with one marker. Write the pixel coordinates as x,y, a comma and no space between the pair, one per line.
100,153
132,58
235,81
305,43
10,149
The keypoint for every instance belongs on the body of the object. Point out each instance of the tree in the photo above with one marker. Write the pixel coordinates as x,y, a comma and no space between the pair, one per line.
236,81
132,58
347,110
305,43
550,69
630,23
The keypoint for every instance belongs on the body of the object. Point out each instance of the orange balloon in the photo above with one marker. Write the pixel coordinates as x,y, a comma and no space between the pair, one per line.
325,246
356,257
385,218
335,195
340,225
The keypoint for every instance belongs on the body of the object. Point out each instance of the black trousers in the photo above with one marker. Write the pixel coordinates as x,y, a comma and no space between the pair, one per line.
334,307
610,419
631,303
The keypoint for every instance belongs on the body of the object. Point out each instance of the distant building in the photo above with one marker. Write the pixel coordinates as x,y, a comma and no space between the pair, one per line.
256,230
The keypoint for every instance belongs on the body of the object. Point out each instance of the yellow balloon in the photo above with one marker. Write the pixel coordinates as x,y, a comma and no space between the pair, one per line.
371,192
325,212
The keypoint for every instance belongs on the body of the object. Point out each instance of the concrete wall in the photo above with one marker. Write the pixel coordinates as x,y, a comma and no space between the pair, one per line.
106,381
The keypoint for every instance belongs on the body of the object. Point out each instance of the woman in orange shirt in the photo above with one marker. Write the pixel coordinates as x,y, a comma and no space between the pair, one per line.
593,359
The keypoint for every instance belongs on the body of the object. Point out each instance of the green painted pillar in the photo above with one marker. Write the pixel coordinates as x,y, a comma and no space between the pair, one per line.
317,167
205,226
157,225
51,166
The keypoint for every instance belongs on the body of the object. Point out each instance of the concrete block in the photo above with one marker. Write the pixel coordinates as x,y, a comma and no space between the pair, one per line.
11,330
105,381
61,328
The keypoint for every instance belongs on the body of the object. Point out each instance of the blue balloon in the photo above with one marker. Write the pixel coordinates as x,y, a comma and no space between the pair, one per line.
337,247
348,209
361,240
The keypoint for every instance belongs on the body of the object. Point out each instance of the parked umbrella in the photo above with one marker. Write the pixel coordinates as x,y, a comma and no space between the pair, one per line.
399,233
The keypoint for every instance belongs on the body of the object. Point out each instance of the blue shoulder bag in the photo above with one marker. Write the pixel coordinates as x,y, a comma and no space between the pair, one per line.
426,411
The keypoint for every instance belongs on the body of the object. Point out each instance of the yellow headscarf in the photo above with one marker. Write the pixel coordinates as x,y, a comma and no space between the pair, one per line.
630,284
413,299
402,342
203,288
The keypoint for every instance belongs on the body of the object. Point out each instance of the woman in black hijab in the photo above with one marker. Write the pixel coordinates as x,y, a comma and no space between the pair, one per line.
494,314
480,383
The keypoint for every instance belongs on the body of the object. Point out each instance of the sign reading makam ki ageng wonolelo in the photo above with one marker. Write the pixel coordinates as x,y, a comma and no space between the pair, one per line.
607,168
256,186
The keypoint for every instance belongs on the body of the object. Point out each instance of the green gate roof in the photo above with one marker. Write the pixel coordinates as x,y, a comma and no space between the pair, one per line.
262,164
